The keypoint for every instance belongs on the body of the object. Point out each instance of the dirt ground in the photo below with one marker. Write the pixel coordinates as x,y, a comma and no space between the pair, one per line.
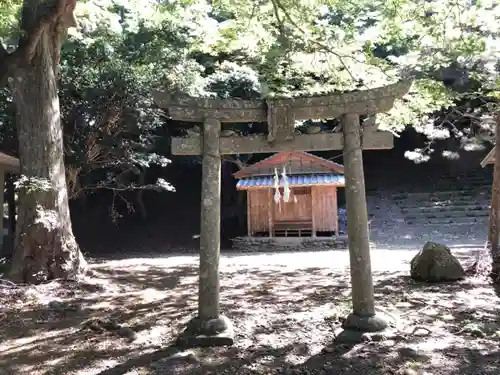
285,307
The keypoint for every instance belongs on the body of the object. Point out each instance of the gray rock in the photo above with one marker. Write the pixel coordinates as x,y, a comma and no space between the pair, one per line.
110,324
57,306
349,337
328,367
211,333
216,326
128,333
476,332
373,323
435,263
407,352
378,337
313,129
328,349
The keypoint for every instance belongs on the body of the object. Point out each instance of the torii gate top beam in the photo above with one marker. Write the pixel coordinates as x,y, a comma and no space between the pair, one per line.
237,110
281,115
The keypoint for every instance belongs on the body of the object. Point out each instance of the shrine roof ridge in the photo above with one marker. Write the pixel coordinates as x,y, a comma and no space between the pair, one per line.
284,157
303,179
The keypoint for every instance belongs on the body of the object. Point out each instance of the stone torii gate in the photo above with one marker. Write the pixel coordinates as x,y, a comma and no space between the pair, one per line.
210,327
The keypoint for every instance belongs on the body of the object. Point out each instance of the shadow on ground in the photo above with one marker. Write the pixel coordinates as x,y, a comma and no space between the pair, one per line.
286,311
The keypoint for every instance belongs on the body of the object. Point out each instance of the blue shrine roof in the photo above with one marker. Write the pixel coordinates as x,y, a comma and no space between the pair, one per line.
293,180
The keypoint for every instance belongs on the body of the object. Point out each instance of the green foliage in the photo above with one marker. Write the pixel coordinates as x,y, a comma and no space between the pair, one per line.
33,184
123,49
450,48
9,10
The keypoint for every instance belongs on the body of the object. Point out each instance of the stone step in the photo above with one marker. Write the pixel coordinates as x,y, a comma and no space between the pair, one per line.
448,221
465,178
445,215
440,195
460,190
444,186
480,174
445,208
468,173
469,187
452,201
475,177
444,204
454,186
460,227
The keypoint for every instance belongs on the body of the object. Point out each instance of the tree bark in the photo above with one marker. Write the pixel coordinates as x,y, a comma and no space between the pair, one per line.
494,212
10,194
45,247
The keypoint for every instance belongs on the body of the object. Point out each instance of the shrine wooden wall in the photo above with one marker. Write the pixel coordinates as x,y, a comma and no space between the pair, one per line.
258,207
325,212
298,209
317,204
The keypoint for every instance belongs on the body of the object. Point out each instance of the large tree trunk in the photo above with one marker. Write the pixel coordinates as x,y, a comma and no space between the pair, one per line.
494,231
10,194
45,247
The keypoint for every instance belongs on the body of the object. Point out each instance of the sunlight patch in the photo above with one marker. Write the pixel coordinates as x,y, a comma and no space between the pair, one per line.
99,367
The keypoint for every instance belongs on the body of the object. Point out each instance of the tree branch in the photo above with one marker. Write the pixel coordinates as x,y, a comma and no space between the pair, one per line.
10,62
277,6
235,160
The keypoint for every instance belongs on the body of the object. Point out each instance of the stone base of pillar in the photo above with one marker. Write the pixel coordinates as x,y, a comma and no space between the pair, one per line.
214,332
358,323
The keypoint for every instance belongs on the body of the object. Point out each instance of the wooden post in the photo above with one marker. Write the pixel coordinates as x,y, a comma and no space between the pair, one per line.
2,199
363,315
249,215
335,196
208,302
313,210
270,212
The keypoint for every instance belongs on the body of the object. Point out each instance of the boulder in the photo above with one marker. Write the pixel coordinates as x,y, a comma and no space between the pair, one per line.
435,263
313,129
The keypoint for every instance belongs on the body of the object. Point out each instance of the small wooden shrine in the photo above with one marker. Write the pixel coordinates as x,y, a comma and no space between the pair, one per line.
307,209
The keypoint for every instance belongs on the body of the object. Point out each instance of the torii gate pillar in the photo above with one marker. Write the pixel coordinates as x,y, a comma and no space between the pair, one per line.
363,317
210,224
209,328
